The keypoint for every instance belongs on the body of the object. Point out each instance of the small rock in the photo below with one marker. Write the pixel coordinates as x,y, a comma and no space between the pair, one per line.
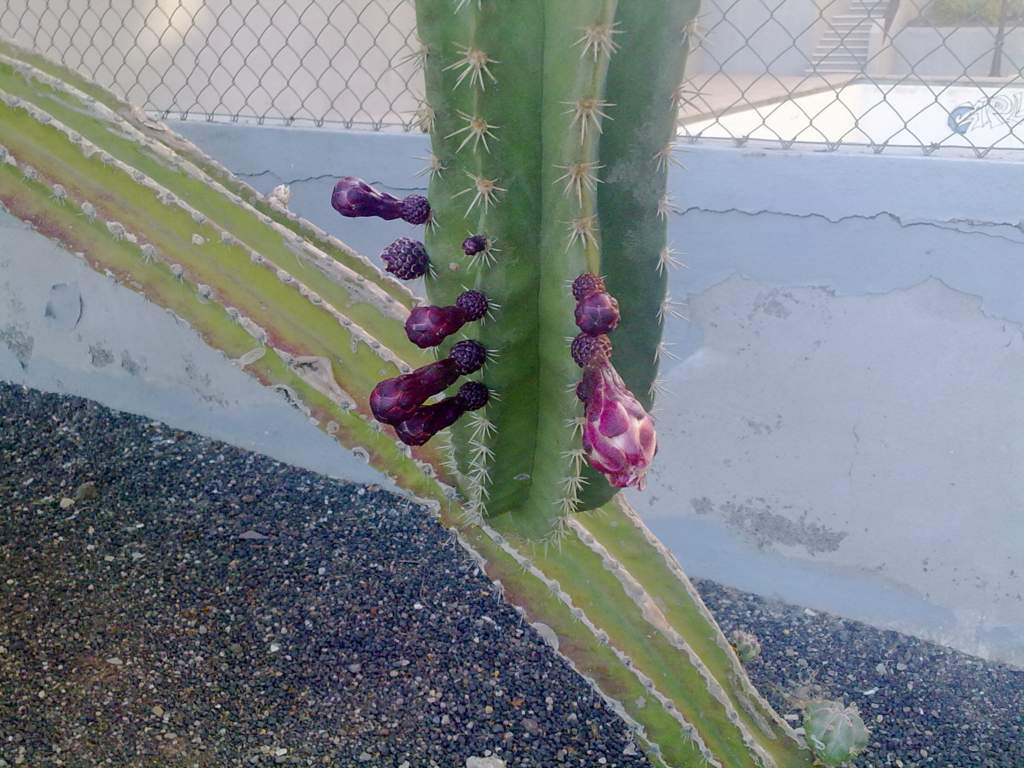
484,762
252,536
355,668
87,492
115,662
67,503
365,757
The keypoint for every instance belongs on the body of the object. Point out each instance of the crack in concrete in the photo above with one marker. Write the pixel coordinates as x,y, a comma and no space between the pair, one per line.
320,177
946,226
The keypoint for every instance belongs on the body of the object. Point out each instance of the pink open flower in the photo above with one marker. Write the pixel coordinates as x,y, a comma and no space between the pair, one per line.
618,437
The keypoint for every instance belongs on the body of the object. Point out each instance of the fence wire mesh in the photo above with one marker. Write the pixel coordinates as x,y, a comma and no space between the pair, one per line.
928,74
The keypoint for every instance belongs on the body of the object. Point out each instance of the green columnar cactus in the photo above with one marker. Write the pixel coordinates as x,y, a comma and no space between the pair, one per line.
551,126
304,314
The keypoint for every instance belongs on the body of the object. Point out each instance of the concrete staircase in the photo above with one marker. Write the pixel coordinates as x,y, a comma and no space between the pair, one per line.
843,48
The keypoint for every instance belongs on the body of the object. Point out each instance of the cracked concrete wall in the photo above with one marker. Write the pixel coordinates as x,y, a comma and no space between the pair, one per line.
843,426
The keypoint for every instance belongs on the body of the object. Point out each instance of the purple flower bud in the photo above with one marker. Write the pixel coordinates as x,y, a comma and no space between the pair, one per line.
428,420
473,303
469,356
416,209
586,284
395,400
597,313
428,326
354,198
473,395
586,348
406,259
618,436
474,244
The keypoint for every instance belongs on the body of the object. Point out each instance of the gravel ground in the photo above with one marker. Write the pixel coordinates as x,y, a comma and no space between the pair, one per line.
926,705
167,600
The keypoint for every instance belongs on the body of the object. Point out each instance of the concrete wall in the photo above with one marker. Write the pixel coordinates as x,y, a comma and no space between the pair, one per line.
844,427
67,328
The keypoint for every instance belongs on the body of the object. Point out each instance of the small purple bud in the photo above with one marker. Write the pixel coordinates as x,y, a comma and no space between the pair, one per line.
395,400
586,348
473,303
416,209
406,259
469,356
355,198
473,395
585,285
474,244
597,313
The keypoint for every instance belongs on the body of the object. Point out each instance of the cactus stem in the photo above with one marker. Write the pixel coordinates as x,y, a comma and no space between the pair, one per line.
579,177
433,169
474,64
480,476
665,157
598,40
424,117
666,206
481,452
670,308
663,351
488,257
658,388
485,192
582,230
667,259
587,113
477,130
482,427
418,56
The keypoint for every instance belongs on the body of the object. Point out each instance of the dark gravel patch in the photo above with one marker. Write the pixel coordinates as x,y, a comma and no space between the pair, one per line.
926,705
204,606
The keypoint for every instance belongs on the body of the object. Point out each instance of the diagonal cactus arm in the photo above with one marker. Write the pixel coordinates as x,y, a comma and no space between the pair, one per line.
549,124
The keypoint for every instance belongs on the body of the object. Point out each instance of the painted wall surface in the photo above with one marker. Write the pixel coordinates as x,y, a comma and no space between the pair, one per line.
842,427
66,328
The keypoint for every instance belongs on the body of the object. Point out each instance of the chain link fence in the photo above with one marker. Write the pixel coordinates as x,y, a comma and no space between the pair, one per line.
925,74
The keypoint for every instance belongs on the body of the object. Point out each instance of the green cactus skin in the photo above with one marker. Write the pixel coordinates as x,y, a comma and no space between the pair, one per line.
574,104
303,313
837,734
